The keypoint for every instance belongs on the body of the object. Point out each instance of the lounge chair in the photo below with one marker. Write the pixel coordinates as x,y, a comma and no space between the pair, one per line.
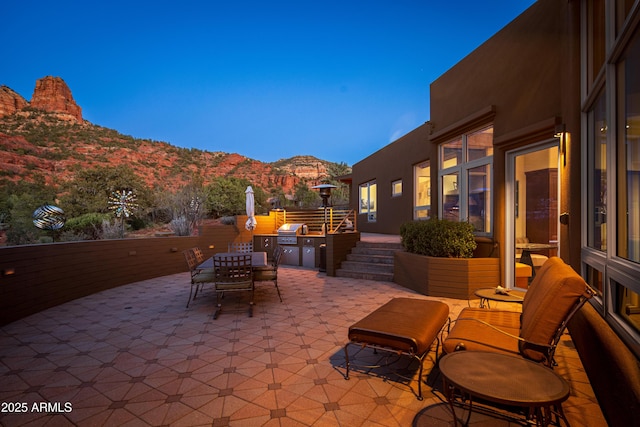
554,296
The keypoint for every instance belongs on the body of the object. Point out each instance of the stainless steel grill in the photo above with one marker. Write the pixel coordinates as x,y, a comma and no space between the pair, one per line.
288,233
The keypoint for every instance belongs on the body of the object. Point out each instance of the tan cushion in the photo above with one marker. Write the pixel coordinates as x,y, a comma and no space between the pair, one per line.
472,331
203,276
261,275
553,293
523,270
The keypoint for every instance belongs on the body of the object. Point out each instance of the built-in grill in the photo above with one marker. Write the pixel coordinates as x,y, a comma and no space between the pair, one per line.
288,233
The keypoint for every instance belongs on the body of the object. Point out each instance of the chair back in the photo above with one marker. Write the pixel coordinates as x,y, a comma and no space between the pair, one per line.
277,256
554,296
190,257
240,247
233,272
198,254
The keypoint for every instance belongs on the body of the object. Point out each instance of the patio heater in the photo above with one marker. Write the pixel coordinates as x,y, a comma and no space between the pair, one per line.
325,193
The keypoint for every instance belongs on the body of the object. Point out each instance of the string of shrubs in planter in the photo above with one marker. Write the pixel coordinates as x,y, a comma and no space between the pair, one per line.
438,238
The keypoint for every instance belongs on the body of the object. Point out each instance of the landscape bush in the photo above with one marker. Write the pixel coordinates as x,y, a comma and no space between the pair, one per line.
438,238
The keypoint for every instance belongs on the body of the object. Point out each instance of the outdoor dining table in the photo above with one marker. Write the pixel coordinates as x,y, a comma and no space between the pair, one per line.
527,248
258,259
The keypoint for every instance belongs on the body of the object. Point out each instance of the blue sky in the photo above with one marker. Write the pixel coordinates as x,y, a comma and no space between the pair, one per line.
269,80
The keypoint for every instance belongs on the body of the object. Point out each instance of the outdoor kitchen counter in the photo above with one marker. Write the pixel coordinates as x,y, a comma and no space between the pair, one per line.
305,252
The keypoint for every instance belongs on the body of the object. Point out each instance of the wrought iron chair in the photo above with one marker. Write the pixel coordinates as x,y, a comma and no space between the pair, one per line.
270,272
240,247
232,273
199,276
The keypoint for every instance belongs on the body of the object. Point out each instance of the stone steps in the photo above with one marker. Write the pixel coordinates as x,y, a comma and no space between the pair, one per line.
370,261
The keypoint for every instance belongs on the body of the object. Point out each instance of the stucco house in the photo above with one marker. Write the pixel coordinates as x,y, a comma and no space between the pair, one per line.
533,137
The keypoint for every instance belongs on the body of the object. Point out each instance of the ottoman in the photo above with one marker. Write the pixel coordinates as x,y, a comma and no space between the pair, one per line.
403,325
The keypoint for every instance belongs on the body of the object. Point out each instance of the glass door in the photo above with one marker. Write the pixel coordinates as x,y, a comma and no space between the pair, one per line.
532,211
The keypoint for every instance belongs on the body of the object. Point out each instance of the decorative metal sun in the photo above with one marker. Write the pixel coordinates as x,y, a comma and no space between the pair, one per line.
123,203
49,217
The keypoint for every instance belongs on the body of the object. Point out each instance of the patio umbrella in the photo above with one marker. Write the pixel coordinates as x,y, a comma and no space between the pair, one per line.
251,210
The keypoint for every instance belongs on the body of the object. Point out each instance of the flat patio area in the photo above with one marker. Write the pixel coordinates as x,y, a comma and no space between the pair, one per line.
136,356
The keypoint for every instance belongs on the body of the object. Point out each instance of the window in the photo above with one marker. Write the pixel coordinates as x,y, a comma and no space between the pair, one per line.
628,161
422,197
596,39
597,185
465,179
610,250
627,305
396,188
368,203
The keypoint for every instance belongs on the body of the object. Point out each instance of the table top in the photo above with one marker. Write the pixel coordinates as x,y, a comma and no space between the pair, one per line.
258,259
536,246
500,378
512,295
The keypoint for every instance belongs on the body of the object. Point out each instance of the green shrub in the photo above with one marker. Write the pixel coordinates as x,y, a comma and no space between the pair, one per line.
89,224
438,238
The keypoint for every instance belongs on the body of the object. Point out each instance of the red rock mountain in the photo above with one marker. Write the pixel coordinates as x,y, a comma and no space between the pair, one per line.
10,101
52,94
50,139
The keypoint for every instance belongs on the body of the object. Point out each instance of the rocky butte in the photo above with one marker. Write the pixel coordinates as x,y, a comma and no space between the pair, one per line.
50,94
10,101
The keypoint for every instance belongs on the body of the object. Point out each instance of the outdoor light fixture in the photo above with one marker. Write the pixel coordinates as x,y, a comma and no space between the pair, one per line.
560,132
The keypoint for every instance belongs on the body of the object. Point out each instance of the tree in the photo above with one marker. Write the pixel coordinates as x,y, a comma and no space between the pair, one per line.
17,203
226,197
306,197
188,207
91,188
336,170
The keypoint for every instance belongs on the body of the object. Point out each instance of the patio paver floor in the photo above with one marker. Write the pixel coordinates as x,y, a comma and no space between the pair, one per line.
135,356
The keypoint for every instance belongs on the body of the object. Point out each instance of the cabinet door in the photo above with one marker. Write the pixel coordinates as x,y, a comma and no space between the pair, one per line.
264,244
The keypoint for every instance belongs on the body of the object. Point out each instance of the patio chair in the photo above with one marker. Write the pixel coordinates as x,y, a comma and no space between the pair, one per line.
232,273
270,272
555,295
240,247
198,254
199,276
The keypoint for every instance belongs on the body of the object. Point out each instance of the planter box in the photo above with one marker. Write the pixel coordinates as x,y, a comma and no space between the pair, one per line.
446,277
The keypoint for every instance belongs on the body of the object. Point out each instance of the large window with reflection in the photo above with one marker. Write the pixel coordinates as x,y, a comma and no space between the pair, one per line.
368,200
611,147
628,150
465,179
422,185
597,181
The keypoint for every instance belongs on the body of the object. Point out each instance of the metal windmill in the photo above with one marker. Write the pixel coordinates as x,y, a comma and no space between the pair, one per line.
123,203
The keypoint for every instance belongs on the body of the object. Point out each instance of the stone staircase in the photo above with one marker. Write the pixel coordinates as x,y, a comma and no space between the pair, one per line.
371,261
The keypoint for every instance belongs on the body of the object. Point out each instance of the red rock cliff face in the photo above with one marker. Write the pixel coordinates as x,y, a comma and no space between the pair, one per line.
10,101
52,94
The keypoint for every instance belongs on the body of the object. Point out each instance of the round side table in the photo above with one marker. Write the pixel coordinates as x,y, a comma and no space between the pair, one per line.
489,294
506,380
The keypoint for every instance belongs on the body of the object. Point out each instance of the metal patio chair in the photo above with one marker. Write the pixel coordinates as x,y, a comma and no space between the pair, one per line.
240,247
270,272
232,273
199,276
